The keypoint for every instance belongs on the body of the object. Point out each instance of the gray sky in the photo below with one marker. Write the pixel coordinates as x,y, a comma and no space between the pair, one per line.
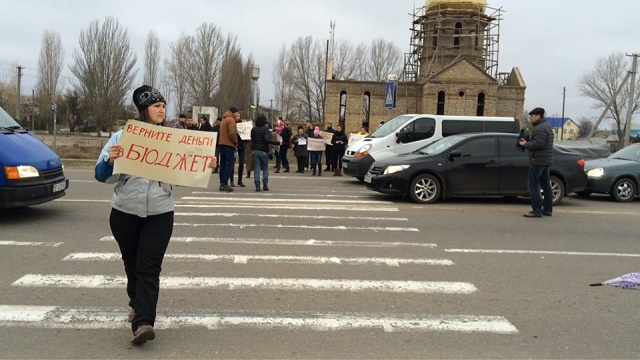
553,42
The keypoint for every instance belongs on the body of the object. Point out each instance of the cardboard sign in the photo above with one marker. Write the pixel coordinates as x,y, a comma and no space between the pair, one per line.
327,136
316,145
355,137
244,130
173,156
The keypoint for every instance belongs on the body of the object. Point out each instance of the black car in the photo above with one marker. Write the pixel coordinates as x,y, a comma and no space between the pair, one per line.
618,175
478,164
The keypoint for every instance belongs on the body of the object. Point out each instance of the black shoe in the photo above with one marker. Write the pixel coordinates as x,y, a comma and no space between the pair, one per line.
313,173
258,189
319,173
286,170
531,214
277,171
327,169
265,188
241,184
299,171
226,188
232,185
547,213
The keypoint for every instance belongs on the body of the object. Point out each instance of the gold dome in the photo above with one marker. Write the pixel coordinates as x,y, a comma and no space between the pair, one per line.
467,5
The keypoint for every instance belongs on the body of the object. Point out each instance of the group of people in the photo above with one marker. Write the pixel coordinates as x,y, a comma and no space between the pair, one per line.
307,159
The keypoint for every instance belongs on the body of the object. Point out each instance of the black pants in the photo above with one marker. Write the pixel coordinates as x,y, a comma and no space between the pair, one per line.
301,162
283,157
142,242
328,154
337,158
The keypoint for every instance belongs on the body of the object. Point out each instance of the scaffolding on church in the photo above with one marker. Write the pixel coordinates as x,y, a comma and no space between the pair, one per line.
432,24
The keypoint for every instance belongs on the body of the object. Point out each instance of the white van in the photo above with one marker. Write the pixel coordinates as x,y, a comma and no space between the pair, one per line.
408,133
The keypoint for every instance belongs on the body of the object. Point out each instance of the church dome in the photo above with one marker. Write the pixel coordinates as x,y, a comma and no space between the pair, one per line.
464,5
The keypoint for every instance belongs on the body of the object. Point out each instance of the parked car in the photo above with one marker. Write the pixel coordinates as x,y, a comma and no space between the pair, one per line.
617,175
478,164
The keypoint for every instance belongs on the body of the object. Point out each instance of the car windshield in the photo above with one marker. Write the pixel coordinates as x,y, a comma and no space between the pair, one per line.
390,126
441,145
631,152
6,121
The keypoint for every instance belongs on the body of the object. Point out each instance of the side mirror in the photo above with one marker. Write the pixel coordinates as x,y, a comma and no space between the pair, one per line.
455,154
401,137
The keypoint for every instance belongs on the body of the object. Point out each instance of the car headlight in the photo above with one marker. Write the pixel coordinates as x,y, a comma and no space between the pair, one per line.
595,173
394,169
20,172
363,151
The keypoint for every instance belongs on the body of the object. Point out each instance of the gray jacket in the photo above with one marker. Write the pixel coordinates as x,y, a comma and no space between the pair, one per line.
141,197
540,144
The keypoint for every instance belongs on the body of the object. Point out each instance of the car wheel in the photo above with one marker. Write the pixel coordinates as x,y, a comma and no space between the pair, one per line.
624,190
425,189
584,193
557,187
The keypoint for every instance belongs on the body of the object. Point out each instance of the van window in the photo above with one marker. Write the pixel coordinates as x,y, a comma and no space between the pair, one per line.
420,129
390,126
502,126
452,127
6,120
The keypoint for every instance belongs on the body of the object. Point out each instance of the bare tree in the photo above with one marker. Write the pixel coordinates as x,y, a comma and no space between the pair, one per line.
152,59
104,69
384,59
282,82
349,62
601,85
307,66
232,77
585,126
49,70
205,55
176,65
8,89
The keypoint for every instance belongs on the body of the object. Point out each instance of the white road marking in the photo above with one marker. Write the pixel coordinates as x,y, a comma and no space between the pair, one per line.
269,194
294,216
177,282
239,205
319,227
288,200
308,242
30,243
244,259
53,317
539,252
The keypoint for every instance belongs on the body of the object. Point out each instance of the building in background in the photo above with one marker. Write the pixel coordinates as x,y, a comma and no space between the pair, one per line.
565,126
451,69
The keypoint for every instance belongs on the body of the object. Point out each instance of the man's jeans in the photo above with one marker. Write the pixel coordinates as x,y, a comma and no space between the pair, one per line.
227,162
539,177
260,161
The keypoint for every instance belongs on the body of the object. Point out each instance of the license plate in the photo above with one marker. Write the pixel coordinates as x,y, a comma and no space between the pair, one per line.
368,178
59,186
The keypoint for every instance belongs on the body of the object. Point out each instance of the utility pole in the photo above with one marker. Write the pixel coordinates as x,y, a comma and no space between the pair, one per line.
18,100
33,109
632,88
271,113
564,96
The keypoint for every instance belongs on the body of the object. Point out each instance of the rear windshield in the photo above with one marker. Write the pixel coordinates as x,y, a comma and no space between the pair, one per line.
6,121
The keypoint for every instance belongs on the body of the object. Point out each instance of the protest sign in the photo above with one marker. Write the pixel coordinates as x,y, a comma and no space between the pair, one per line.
244,130
316,145
173,156
327,136
355,137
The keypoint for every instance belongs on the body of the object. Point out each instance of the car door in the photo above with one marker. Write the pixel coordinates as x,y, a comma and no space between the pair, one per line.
477,171
409,138
514,166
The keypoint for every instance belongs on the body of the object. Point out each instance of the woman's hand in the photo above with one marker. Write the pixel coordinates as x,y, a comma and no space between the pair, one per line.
114,152
214,163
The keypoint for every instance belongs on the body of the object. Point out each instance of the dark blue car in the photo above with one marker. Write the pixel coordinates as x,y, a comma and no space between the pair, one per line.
31,172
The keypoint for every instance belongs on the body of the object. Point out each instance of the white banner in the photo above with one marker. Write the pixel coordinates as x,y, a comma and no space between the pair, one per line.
316,145
173,156
244,130
327,137
355,137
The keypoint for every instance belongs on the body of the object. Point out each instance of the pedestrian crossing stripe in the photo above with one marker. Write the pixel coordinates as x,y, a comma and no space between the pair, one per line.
57,317
317,227
177,282
244,259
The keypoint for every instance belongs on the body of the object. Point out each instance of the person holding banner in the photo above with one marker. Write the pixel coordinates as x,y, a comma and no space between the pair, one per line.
316,156
141,219
286,143
241,158
339,142
260,139
299,142
328,152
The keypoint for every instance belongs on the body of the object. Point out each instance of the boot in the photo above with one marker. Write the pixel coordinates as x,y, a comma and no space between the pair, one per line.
248,174
328,168
286,170
336,173
320,171
277,169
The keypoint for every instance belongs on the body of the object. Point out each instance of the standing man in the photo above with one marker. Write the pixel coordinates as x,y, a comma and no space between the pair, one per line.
228,146
286,142
241,158
261,139
204,124
328,152
182,122
540,146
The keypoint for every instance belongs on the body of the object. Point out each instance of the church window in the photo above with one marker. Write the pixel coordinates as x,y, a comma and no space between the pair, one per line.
441,99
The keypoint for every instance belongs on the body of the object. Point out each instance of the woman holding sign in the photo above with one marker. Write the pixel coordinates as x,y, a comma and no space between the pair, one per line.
141,220
299,142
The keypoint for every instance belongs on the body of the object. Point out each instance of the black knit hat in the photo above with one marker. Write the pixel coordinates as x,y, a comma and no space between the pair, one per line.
145,96
233,109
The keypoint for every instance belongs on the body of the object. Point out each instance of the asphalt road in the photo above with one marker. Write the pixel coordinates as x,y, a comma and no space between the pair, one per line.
319,267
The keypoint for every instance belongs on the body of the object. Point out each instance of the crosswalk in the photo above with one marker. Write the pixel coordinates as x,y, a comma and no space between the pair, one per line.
295,239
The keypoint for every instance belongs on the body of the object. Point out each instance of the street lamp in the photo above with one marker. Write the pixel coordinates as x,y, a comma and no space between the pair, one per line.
255,75
54,108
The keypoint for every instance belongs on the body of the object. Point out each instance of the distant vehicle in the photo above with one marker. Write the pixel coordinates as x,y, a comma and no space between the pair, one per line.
477,164
617,175
31,172
408,133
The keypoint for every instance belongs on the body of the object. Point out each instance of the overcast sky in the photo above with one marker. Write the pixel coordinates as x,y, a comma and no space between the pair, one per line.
553,42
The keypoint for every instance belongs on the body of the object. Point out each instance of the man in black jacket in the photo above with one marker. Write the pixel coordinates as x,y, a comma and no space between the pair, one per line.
260,140
540,146
286,140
